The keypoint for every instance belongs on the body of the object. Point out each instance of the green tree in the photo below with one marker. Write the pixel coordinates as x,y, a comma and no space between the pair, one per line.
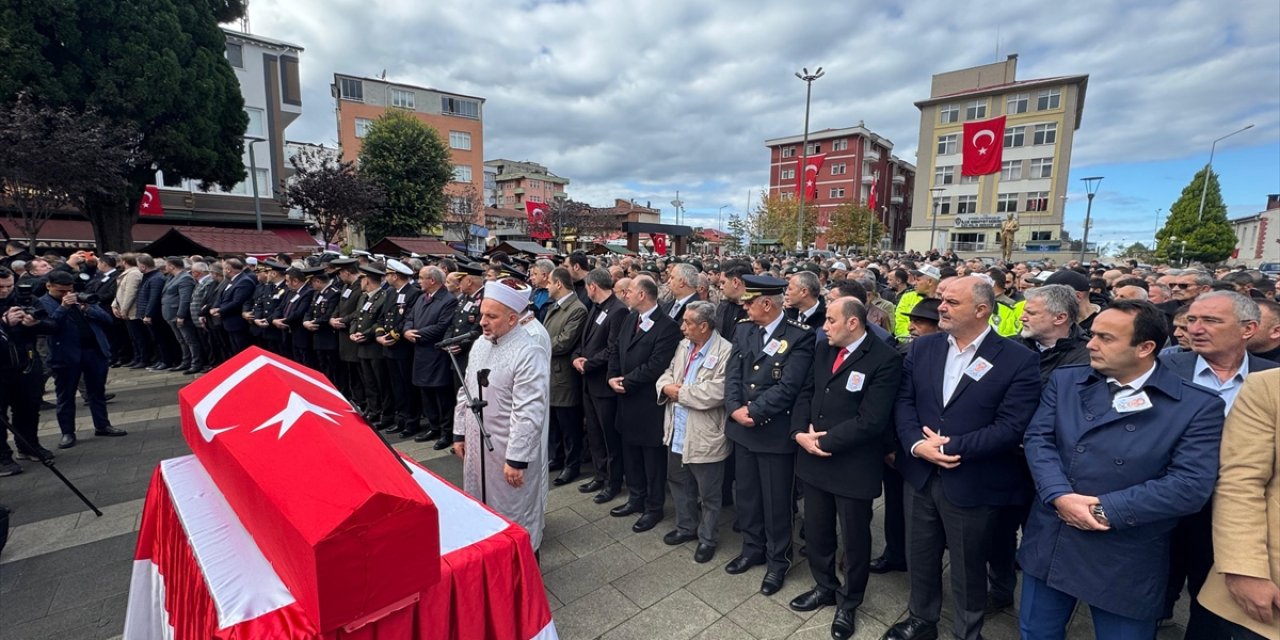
851,224
157,66
732,242
1209,238
330,192
407,158
1137,251
776,220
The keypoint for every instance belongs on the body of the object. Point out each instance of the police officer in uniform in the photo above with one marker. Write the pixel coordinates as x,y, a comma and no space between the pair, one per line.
296,341
379,410
266,307
324,339
400,297
466,318
347,369
772,361
262,292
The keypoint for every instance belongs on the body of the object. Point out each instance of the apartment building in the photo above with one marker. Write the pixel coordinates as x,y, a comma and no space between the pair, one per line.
515,183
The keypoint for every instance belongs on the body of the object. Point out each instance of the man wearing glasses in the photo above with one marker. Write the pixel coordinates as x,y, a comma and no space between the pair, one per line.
1190,284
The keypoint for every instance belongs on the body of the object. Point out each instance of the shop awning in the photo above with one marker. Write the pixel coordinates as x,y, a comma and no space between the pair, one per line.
181,241
396,245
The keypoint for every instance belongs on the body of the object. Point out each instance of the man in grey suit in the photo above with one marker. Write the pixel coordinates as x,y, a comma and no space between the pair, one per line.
175,308
426,324
200,297
564,317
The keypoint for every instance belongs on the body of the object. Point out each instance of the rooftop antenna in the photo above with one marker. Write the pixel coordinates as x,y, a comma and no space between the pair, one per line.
244,20
997,41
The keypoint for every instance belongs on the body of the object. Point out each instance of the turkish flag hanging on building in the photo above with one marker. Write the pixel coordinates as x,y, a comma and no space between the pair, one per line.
150,205
808,178
539,229
660,244
871,199
983,147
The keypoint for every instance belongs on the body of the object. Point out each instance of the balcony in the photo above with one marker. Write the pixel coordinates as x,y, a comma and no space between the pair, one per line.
899,179
518,191
895,200
969,246
868,178
870,156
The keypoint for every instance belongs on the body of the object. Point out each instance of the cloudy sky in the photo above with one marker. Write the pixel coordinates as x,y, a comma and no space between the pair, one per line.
641,99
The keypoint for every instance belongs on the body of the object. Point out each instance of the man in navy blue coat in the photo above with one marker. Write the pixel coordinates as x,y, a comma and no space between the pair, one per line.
232,303
1119,451
967,394
428,323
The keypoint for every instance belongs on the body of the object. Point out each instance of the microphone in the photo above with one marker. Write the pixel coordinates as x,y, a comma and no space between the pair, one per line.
458,340
482,377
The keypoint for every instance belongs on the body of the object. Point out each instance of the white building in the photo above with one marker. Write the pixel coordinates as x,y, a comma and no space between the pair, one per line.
1258,235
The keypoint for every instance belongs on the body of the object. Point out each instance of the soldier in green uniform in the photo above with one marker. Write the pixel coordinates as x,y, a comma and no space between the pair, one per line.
379,410
347,370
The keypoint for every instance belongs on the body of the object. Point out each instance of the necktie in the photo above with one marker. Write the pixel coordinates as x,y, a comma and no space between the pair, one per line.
762,337
1115,387
839,360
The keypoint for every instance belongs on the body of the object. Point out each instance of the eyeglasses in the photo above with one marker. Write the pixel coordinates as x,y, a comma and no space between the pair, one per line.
1180,285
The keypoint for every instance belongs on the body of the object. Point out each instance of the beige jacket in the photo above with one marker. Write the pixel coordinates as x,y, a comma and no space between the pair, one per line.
704,439
126,301
1246,501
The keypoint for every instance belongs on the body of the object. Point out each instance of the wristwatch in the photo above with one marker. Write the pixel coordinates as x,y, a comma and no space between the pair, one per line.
1100,515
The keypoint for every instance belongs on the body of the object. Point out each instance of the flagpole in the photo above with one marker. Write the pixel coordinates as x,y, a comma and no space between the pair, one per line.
804,158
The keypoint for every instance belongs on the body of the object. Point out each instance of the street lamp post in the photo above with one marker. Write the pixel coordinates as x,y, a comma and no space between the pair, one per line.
1155,240
1208,167
933,226
718,214
804,161
678,204
1182,255
253,179
1091,189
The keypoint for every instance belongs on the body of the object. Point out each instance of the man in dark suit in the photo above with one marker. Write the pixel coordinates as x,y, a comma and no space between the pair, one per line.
771,362
645,347
232,303
315,321
841,423
731,289
348,367
401,296
175,308
683,283
428,322
967,394
804,299
1119,451
564,317
288,317
150,295
104,284
600,402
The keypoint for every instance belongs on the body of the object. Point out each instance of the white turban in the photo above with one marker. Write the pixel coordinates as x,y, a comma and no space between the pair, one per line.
515,299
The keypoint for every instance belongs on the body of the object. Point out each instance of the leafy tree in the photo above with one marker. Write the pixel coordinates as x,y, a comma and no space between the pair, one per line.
407,158
464,213
732,242
1136,251
854,224
1209,238
156,65
330,192
776,219
567,217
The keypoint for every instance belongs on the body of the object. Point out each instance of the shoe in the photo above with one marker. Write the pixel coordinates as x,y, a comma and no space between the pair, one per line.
646,522
110,432
880,565
842,626
389,427
741,564
9,468
605,495
812,599
39,455
427,436
565,477
772,583
67,441
408,432
593,486
158,368
191,372
674,537
996,605
555,466
136,365
704,553
444,442
206,369
912,629
625,509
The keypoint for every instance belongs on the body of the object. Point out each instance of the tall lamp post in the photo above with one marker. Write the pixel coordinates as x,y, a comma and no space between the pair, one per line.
1208,167
678,204
718,215
253,178
1091,189
1155,240
808,78
933,204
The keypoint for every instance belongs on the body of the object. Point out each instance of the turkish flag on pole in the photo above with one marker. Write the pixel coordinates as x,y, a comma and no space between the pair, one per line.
983,147
660,244
150,205
538,227
871,199
808,178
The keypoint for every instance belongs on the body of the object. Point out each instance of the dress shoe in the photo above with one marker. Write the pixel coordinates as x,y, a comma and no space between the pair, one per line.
388,427
408,432
913,629
136,365
593,486
704,553
741,564
674,537
191,372
772,583
444,442
646,522
565,477
812,599
605,495
842,626
40,454
67,441
427,436
206,369
625,509
110,432
881,565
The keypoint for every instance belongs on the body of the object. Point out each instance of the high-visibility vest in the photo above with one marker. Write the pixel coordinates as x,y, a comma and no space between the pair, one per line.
906,302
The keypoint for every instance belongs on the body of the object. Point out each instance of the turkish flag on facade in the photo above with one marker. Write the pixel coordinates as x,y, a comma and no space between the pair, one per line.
660,244
150,205
871,199
539,229
983,147
808,178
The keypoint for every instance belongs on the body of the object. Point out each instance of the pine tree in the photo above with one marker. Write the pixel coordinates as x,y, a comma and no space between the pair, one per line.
1209,238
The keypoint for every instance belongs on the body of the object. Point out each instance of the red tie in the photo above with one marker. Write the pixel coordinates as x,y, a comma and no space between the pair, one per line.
839,359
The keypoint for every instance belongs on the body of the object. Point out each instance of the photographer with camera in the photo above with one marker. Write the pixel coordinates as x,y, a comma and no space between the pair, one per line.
76,327
22,373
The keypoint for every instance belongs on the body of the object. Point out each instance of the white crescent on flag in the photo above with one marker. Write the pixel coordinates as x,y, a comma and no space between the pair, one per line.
285,417
985,132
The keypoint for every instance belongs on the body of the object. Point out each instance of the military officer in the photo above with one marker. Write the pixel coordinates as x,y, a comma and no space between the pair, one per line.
324,340
272,299
379,410
262,292
771,363
347,369
400,297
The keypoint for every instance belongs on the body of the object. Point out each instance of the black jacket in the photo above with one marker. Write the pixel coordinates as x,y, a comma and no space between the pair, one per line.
768,385
1067,351
599,340
641,357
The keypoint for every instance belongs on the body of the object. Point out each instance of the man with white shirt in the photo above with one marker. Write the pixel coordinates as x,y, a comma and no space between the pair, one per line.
803,298
683,284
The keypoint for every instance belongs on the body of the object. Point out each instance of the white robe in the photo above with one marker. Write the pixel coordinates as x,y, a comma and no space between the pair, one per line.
516,418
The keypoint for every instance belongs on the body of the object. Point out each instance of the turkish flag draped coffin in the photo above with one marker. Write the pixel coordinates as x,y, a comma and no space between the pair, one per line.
983,147
325,501
808,178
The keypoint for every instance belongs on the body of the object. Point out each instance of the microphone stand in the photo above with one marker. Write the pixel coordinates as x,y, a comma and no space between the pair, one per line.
476,405
47,461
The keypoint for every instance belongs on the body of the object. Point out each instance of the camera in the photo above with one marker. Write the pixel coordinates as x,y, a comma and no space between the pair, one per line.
25,299
88,298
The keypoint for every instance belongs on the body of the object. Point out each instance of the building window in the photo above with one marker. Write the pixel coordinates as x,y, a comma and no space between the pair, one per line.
257,122
947,144
840,145
362,127
1038,201
968,179
246,189
945,175
462,173
401,98
1041,236
814,148
976,109
948,113
1045,133
788,152
1011,170
1007,203
351,89
838,169
1048,99
451,106
1017,103
967,204
837,192
1041,168
235,55
290,81
460,140
1015,137
787,174
941,206
788,195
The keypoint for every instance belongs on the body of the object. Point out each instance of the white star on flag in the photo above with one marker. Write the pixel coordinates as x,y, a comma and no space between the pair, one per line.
293,411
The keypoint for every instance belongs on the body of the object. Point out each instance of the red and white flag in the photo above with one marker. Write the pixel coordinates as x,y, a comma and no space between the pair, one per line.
807,179
983,147
150,204
871,199
539,226
660,244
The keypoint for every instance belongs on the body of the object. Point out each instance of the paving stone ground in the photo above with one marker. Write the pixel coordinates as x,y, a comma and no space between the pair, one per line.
65,573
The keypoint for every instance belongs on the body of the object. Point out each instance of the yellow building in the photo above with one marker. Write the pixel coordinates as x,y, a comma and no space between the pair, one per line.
964,213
